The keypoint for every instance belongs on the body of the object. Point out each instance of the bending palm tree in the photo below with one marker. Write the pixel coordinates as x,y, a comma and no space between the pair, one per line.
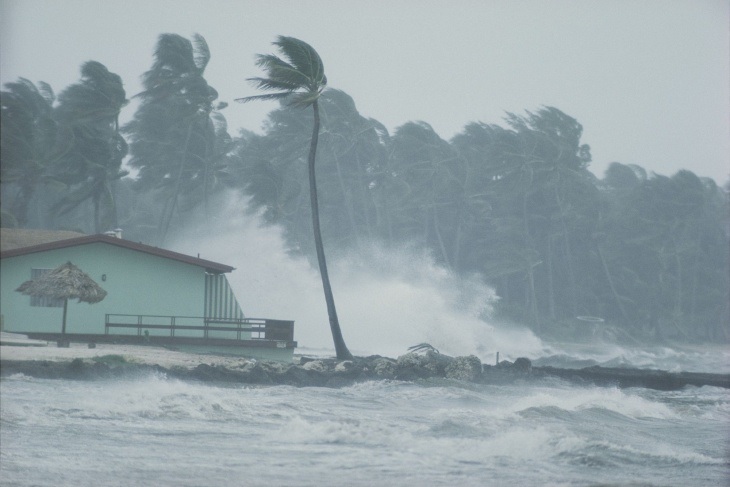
300,80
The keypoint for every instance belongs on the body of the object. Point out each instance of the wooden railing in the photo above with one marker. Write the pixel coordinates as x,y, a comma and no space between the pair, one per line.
259,328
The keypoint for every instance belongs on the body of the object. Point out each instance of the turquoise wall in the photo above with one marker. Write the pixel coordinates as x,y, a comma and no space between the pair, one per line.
136,283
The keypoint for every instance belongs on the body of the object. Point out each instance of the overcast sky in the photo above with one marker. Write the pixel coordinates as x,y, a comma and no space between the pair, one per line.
649,80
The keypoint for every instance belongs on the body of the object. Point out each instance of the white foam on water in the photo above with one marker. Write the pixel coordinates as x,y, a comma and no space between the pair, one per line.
377,432
609,399
663,452
415,440
678,358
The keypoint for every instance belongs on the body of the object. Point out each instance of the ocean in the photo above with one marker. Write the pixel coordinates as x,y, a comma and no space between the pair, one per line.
158,431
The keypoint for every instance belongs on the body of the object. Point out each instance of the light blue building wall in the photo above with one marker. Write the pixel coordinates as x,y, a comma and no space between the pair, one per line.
136,282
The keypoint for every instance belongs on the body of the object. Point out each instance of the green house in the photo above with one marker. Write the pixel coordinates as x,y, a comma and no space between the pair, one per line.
153,294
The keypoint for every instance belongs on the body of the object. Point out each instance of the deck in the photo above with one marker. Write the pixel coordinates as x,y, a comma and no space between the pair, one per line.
252,337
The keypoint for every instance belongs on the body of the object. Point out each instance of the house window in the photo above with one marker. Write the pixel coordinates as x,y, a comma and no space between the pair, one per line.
42,301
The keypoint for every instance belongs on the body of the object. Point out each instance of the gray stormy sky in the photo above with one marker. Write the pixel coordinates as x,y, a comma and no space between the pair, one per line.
649,80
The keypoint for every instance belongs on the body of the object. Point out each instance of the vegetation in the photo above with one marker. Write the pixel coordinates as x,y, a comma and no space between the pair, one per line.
299,81
513,201
177,136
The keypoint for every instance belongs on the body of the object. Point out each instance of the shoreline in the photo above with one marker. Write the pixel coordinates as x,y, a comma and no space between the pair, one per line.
110,361
28,349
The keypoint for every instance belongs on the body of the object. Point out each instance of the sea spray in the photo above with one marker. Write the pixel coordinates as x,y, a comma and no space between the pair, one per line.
388,297
157,431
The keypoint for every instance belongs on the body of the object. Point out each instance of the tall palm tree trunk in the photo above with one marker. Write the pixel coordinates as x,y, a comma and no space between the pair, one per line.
340,348
167,216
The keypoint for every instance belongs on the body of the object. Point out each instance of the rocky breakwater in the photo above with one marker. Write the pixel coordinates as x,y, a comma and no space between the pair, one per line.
322,372
329,372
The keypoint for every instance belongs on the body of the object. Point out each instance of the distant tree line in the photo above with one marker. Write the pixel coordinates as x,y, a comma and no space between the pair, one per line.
514,202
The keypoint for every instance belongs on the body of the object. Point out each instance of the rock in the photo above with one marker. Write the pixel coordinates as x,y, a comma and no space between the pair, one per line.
413,366
384,368
652,379
255,374
326,373
409,360
301,377
316,365
210,373
437,362
523,365
464,368
274,368
344,366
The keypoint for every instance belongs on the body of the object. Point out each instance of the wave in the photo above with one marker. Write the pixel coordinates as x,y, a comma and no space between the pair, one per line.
388,297
678,358
599,399
432,434
657,452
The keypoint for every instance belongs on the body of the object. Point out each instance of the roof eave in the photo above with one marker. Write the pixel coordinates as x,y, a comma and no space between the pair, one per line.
208,265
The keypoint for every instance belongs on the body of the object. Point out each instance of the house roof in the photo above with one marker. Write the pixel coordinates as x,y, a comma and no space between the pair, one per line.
15,238
27,242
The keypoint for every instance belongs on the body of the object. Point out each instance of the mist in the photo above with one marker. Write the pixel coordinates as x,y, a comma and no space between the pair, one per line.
388,297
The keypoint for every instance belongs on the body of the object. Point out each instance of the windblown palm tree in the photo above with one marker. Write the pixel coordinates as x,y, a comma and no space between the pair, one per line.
173,132
299,80
88,116
27,144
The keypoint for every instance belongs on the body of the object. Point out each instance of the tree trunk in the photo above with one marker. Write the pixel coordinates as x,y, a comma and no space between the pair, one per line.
65,309
21,203
551,283
532,299
97,217
611,285
167,218
440,239
340,348
568,255
347,196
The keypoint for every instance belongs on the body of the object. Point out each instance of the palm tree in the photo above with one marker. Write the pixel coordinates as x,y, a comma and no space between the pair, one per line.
88,117
299,80
173,132
27,143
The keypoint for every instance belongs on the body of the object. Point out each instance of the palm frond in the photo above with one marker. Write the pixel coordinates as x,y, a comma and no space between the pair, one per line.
281,71
46,92
303,99
268,96
175,52
201,52
421,347
268,84
303,57
94,70
300,74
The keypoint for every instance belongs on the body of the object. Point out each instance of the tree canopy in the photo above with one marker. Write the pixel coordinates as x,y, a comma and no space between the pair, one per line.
512,200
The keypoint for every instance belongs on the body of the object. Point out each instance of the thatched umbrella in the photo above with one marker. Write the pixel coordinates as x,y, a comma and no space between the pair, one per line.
64,282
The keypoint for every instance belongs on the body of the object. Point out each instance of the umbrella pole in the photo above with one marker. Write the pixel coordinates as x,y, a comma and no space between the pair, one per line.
65,307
